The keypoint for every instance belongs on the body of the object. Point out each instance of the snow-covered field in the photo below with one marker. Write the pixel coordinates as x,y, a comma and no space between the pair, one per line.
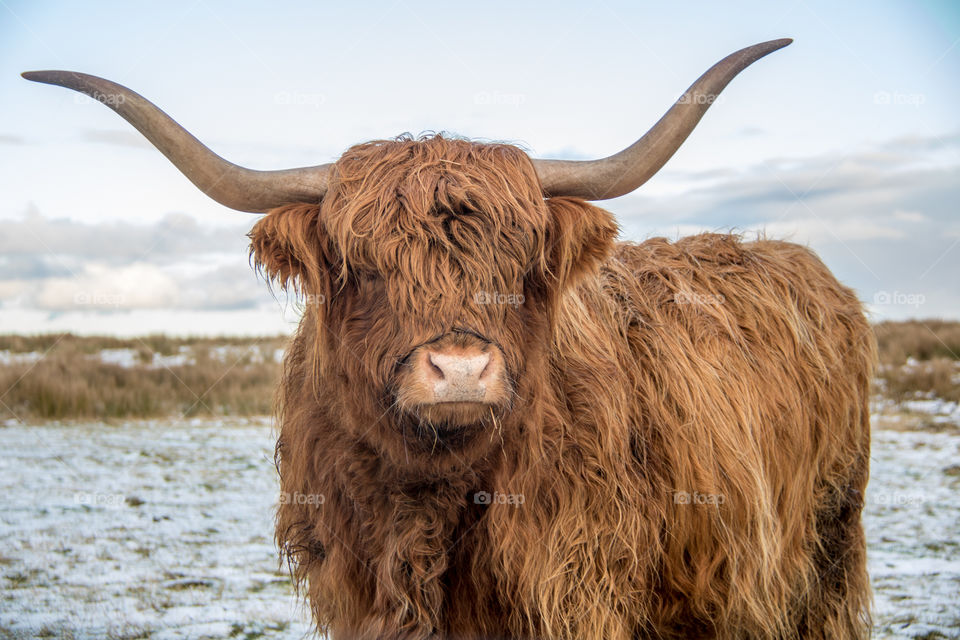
148,529
163,530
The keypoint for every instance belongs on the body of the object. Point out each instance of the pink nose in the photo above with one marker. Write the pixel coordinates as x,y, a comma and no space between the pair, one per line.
459,377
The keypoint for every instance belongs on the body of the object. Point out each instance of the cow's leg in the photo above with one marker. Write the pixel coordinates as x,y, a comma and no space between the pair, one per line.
837,607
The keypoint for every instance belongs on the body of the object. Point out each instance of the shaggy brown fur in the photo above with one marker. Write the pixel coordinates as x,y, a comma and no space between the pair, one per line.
733,373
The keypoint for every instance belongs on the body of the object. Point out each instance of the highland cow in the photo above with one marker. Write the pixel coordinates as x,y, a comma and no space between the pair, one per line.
496,421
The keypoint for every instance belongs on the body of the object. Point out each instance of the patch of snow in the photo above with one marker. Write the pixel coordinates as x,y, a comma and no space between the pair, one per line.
940,410
126,358
176,360
231,354
129,358
9,357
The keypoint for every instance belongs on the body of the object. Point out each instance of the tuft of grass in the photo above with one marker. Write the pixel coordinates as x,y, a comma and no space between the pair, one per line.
18,579
254,631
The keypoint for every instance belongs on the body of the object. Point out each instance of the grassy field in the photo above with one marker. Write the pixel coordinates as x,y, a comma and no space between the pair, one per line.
65,377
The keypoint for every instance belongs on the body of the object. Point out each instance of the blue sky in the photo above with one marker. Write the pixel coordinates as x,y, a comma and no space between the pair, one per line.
848,140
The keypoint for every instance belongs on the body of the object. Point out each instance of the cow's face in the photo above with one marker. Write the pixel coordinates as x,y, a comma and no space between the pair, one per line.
431,271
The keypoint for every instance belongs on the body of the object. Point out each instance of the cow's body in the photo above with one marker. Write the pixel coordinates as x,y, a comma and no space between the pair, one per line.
697,471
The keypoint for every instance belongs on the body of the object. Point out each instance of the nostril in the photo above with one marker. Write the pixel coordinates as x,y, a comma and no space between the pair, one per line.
434,367
485,366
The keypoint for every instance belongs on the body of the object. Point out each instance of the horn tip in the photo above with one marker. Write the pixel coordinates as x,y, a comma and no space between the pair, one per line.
48,77
762,49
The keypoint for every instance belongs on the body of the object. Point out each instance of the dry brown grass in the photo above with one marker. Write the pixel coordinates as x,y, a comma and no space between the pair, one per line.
70,381
918,358
939,377
918,339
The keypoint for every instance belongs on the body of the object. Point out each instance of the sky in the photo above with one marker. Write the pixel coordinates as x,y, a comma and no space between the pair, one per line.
847,141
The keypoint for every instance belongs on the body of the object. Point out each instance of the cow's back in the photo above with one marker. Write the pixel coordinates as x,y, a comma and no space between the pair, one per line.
741,370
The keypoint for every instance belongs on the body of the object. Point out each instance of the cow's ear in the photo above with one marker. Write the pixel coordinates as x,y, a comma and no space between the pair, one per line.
580,237
289,247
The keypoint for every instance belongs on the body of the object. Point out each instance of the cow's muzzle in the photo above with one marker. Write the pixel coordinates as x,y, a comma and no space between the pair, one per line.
457,379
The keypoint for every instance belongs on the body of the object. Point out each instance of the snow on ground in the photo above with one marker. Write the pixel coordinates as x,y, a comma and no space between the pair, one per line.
164,530
10,357
148,529
941,411
125,358
129,358
912,521
919,414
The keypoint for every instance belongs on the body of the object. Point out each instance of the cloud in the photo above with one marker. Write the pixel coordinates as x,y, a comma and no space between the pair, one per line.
910,216
103,288
873,185
882,218
230,286
64,241
32,267
6,138
812,230
923,143
63,266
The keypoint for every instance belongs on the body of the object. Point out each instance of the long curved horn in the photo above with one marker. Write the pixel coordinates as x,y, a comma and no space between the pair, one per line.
231,185
623,172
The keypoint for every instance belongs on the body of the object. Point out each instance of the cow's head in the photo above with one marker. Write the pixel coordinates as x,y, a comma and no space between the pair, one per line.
430,270
431,267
